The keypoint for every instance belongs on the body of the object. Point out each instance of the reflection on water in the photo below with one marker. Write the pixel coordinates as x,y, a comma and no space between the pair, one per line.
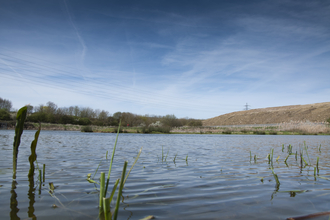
13,202
219,179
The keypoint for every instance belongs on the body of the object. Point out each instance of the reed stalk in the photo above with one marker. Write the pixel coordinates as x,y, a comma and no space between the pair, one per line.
102,189
174,158
276,178
33,156
113,154
317,165
250,156
306,152
106,208
43,172
315,173
120,191
166,154
136,159
114,189
282,147
162,154
20,118
286,158
40,177
304,160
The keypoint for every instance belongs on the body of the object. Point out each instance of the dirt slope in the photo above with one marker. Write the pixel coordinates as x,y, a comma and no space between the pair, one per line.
318,112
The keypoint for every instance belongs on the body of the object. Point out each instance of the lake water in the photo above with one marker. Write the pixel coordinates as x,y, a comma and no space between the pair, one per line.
218,181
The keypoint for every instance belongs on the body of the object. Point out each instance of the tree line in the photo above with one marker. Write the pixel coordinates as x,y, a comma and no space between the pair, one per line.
51,113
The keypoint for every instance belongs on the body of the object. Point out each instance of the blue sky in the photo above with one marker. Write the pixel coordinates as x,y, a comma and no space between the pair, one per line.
197,59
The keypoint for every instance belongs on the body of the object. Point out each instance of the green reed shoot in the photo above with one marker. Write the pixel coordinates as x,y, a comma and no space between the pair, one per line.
40,177
304,160
114,189
282,147
286,158
121,186
20,118
187,158
272,155
268,157
106,208
113,154
174,158
166,154
320,148
276,178
317,165
33,156
250,156
315,173
136,159
43,172
296,156
255,158
102,188
306,151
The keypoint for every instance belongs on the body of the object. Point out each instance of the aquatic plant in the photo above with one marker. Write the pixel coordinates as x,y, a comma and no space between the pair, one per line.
104,202
20,118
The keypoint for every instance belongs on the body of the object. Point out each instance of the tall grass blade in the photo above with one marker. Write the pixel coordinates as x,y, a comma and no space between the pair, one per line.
114,189
120,191
113,154
102,183
317,165
20,118
136,159
33,156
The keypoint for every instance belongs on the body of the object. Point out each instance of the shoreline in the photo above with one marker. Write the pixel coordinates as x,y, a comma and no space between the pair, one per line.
294,128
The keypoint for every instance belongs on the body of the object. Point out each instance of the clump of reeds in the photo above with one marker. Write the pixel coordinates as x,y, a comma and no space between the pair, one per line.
104,202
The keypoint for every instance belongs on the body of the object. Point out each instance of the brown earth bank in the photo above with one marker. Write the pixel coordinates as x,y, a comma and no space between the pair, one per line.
318,112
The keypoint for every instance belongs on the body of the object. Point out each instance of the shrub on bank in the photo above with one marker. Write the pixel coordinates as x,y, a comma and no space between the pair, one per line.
151,129
86,129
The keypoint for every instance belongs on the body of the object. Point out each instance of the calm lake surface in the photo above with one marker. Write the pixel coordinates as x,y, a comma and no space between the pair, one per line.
218,181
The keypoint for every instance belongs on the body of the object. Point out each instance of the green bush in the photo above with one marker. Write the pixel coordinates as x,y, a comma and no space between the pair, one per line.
151,129
86,129
4,115
259,132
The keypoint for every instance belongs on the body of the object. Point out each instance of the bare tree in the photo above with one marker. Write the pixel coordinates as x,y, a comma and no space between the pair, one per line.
5,104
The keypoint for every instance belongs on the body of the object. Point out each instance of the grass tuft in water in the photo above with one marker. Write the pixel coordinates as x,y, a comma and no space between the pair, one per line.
121,186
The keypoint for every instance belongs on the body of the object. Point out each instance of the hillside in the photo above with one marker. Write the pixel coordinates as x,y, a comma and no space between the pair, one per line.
318,112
